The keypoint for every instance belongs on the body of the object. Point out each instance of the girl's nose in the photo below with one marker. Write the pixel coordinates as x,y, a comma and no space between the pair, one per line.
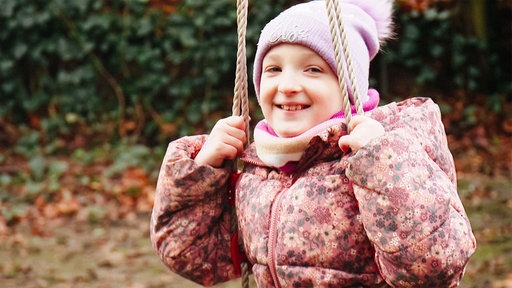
289,84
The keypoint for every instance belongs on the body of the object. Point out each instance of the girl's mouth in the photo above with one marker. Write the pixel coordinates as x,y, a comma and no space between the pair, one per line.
292,107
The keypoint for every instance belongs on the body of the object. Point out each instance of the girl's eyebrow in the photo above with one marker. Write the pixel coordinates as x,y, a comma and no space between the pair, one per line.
272,56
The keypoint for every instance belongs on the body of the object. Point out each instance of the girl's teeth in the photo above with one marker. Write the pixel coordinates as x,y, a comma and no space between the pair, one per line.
292,107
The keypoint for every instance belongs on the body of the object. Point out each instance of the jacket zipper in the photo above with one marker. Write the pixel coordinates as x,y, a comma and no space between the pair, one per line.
272,237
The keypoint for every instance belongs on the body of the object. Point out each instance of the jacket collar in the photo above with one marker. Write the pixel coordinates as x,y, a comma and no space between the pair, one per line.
321,147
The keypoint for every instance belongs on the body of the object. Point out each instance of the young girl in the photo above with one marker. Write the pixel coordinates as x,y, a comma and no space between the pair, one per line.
317,207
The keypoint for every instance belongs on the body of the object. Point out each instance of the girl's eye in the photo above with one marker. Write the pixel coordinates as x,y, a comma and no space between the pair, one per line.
273,69
314,69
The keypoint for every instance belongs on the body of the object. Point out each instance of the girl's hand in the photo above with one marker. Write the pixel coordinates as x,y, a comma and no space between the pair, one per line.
363,130
226,141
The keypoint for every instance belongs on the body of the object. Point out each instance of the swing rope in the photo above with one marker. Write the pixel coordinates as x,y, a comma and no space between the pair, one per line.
240,96
241,103
342,54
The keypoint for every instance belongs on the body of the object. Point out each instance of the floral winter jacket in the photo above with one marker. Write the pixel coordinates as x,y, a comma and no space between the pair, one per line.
388,216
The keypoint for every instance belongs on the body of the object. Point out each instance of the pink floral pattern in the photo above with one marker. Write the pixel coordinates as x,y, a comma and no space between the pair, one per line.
386,216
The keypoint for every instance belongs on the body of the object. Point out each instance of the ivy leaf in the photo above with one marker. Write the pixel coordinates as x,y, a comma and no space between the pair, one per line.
20,50
37,167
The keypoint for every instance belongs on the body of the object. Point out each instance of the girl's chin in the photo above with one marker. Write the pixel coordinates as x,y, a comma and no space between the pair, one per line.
288,133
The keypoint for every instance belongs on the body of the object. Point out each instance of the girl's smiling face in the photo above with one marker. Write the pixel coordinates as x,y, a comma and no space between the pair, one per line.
298,89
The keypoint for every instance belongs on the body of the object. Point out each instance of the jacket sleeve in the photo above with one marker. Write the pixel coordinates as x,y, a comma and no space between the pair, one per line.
190,223
405,184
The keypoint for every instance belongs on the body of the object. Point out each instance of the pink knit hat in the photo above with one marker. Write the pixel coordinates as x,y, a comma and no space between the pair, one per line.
367,24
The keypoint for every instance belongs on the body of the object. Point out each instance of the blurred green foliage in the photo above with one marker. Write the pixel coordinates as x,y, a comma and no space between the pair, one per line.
445,46
121,67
